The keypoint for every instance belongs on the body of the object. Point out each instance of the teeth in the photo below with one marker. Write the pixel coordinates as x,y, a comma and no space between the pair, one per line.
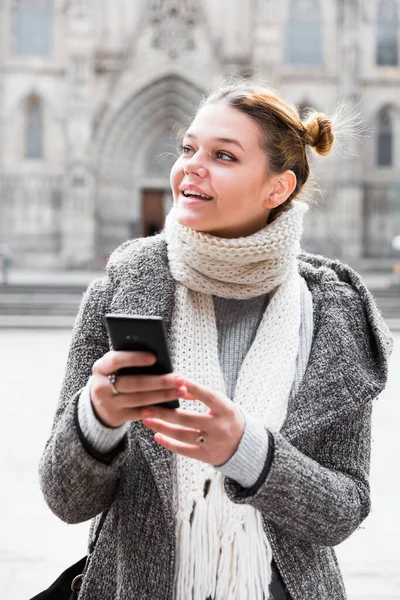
192,193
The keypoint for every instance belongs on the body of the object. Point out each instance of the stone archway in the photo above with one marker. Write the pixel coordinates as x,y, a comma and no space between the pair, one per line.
124,169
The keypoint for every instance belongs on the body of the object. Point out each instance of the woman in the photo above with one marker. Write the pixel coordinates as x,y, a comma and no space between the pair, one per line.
242,491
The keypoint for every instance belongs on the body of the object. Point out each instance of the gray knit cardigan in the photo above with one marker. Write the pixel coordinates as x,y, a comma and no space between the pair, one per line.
315,492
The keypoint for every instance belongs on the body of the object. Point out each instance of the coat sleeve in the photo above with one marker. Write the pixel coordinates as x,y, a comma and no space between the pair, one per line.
316,486
77,484
316,503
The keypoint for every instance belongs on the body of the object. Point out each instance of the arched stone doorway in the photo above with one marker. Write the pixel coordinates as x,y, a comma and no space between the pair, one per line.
134,159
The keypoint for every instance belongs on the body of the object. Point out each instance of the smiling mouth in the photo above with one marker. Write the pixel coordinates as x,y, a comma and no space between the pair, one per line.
191,194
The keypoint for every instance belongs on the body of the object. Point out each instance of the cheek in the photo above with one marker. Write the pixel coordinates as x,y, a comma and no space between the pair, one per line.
234,190
243,193
176,176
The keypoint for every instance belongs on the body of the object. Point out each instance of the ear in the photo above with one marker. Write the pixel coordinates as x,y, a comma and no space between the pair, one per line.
281,186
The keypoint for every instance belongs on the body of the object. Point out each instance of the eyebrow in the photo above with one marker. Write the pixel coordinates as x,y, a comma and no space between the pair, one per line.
223,140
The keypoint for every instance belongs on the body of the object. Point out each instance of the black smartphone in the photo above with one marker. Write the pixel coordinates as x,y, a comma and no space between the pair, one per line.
137,333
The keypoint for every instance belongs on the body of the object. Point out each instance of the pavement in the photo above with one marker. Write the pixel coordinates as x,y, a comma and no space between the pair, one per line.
35,546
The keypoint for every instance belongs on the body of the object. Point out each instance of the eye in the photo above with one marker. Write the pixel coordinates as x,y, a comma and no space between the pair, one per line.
225,156
186,149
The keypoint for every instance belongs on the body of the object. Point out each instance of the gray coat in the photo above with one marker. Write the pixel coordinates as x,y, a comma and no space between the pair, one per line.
316,491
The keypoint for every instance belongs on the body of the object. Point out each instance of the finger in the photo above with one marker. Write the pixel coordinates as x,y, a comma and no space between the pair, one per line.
129,401
115,360
176,432
129,384
186,396
189,450
216,402
180,417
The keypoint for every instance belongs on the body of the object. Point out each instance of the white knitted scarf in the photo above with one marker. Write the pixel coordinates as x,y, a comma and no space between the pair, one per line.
222,548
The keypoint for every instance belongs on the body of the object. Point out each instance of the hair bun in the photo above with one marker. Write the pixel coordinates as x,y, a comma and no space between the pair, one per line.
319,133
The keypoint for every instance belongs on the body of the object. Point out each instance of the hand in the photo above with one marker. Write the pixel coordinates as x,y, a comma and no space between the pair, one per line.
134,391
179,430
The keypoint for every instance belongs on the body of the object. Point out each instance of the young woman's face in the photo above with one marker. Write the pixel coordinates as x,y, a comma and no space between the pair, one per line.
221,160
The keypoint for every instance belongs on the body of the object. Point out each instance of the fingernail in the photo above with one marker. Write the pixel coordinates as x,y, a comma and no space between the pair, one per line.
150,358
179,381
182,390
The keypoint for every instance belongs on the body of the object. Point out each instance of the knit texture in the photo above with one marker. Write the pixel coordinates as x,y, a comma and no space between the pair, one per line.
229,540
241,267
316,492
222,550
247,463
235,336
237,322
102,438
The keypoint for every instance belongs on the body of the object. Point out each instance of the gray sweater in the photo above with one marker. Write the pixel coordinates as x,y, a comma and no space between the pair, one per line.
315,492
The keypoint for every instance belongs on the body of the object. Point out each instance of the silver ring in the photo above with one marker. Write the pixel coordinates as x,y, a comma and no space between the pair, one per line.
201,439
112,379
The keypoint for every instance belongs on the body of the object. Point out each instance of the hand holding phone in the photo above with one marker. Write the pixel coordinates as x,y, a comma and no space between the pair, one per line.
138,333
140,382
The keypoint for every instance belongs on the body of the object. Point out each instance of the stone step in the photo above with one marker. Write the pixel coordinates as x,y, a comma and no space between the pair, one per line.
43,300
29,310
48,305
36,321
44,288
391,292
39,300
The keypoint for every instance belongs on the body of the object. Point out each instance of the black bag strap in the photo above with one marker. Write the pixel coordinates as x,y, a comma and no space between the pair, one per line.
97,532
77,581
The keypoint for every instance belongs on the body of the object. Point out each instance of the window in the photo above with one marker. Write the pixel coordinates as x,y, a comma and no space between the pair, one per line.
385,139
387,49
173,22
32,27
34,129
304,33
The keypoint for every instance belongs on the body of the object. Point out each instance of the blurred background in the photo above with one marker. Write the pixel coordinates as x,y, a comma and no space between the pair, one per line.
92,94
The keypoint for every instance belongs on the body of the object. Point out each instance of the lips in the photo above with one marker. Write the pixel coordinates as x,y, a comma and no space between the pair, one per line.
194,192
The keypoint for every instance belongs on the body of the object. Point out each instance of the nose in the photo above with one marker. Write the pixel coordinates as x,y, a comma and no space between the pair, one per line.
194,165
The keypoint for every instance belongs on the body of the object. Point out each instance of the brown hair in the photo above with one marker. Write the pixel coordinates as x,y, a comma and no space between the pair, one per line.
284,136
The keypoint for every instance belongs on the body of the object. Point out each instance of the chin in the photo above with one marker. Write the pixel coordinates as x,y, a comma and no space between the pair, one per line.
188,218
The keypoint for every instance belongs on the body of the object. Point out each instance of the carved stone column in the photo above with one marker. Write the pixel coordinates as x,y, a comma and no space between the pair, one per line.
77,245
350,192
3,220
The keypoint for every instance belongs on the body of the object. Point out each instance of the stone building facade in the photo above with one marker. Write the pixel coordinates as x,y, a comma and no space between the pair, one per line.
92,93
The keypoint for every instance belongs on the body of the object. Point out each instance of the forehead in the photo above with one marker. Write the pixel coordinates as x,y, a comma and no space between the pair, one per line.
223,121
